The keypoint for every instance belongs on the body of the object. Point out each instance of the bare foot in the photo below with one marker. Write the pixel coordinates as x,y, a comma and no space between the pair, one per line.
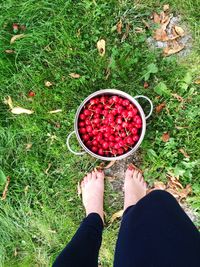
92,188
134,187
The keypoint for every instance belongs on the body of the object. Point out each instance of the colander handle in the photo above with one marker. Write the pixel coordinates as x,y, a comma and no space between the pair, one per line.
150,102
68,145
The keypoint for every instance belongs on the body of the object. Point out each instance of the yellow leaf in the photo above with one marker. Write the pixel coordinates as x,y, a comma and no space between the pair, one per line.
8,101
55,111
166,7
197,81
101,46
16,37
116,215
179,30
48,84
19,110
75,75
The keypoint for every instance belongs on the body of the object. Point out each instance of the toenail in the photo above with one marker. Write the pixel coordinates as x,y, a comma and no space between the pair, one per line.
130,167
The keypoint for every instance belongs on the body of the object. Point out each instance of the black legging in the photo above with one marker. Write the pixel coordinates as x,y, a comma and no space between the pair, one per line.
155,232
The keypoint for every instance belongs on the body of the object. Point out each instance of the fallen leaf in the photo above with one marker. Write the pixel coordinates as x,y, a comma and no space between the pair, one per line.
28,146
164,18
9,51
179,31
101,46
55,111
181,127
79,191
156,18
178,97
75,75
145,85
139,30
160,107
116,215
119,26
197,81
159,185
26,190
78,33
110,178
6,188
168,51
19,110
48,168
48,84
184,153
110,164
160,35
15,253
185,192
165,137
174,182
16,37
126,32
146,24
8,101
166,7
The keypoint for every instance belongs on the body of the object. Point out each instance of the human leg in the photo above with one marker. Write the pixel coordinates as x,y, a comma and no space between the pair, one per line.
83,249
155,231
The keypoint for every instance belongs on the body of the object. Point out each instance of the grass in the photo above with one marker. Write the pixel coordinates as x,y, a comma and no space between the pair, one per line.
42,211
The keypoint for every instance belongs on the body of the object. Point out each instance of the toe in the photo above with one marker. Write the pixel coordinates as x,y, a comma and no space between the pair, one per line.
82,184
89,176
140,177
129,173
100,174
135,174
93,176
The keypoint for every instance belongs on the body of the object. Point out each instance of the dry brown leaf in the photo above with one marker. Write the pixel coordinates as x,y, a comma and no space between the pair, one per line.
126,33
116,215
185,192
165,137
159,185
101,46
48,168
184,153
197,81
79,191
6,188
55,111
48,84
16,37
160,107
9,51
146,24
178,97
74,75
110,164
28,146
110,178
8,101
139,30
156,18
19,110
166,7
119,26
173,182
160,35
168,51
179,30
